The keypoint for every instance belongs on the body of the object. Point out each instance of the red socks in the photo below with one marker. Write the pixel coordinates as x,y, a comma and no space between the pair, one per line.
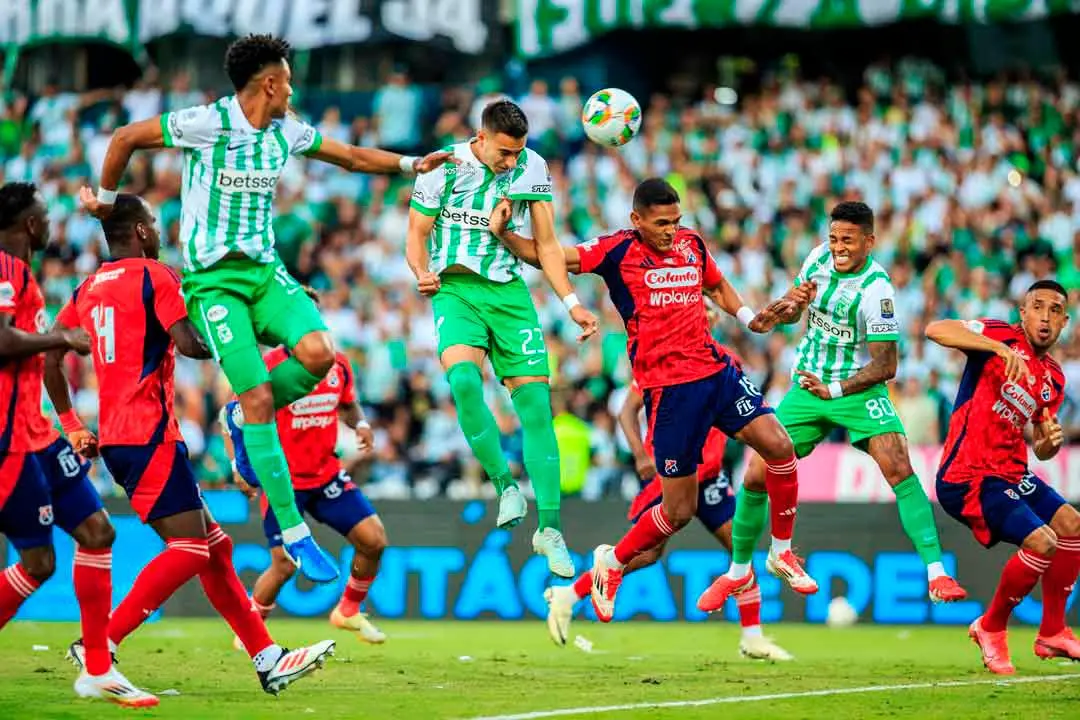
583,585
182,559
652,529
1021,573
15,586
92,576
749,604
782,485
228,596
1057,583
355,594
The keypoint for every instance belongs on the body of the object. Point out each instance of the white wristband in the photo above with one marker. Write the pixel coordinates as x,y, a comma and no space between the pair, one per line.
406,164
106,197
746,316
363,425
571,301
835,390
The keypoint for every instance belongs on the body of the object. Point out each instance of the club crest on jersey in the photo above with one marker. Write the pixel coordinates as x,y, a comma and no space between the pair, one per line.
1045,394
671,466
45,515
886,308
332,379
7,294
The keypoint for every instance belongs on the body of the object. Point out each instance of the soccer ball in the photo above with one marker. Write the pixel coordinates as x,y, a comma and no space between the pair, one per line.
612,117
841,613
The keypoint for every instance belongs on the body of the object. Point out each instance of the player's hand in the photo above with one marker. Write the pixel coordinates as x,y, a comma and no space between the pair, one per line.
365,440
586,321
1054,434
433,160
84,442
777,312
1015,365
812,383
428,283
500,217
645,468
804,294
77,340
250,492
93,206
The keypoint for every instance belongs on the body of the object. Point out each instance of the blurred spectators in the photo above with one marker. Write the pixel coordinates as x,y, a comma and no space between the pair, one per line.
975,185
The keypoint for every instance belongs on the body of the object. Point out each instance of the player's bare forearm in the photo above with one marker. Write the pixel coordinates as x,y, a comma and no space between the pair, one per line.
16,344
628,421
881,368
351,414
523,247
416,239
55,382
143,135
189,341
549,252
955,334
358,159
726,297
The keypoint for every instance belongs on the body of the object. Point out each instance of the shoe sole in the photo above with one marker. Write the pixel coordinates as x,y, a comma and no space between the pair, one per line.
763,656
554,631
750,580
775,572
1048,652
564,573
941,600
276,686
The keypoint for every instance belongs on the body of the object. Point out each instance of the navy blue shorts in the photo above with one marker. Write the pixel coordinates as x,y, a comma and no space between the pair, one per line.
74,497
997,510
680,416
338,503
158,479
715,503
26,510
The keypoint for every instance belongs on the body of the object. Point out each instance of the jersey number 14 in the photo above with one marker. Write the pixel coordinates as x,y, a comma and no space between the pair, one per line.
105,329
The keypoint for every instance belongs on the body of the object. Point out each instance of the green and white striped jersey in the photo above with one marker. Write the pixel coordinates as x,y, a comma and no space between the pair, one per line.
461,198
231,171
850,310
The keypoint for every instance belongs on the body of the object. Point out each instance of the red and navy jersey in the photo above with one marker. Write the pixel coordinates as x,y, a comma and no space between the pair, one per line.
23,427
127,307
659,295
986,431
308,428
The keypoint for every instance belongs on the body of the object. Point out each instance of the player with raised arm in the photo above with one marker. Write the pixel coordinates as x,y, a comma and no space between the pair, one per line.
656,275
236,288
984,481
483,308
134,311
845,358
715,508
42,480
309,433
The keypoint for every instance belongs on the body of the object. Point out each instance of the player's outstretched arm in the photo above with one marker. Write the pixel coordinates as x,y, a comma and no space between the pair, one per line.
644,465
969,337
525,247
143,135
16,344
189,341
375,161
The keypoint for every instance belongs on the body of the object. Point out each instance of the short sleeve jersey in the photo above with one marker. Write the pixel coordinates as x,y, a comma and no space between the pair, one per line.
461,198
231,171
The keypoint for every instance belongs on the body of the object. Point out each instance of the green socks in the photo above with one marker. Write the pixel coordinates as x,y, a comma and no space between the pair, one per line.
917,517
478,424
532,402
268,460
290,381
751,514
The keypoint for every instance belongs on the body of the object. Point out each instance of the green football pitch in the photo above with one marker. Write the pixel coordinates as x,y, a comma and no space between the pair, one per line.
512,670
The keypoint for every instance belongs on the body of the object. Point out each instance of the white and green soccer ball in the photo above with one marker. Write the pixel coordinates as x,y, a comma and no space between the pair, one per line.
612,117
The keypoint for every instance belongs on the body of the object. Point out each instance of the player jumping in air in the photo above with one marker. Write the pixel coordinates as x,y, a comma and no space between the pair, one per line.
134,312
842,364
309,431
656,274
42,481
237,290
1010,380
482,306
715,508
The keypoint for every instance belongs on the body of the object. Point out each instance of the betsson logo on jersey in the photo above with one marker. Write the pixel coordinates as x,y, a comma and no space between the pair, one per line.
235,181
470,218
818,321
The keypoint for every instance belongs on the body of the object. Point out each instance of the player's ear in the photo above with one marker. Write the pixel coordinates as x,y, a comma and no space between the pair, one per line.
635,219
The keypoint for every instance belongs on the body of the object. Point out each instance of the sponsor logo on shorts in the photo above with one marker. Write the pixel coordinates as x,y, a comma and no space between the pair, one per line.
45,515
468,218
1026,486
217,313
332,491
745,406
69,464
886,308
817,320
234,181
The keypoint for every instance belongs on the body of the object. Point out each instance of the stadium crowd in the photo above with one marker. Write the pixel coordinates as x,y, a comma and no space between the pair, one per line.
976,186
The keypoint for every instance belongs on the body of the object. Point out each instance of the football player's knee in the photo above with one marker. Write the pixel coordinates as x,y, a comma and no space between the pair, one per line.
98,533
283,566
778,445
258,404
466,384
755,474
1069,525
895,467
315,351
680,511
39,563
1042,541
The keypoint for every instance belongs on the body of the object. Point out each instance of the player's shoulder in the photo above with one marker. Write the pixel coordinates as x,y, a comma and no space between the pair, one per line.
609,242
11,267
1054,368
531,158
201,117
342,359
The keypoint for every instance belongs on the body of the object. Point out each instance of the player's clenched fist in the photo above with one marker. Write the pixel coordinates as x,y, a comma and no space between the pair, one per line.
84,442
428,283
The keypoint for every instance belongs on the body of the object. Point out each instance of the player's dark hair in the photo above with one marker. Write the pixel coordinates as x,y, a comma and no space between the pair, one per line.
15,199
504,116
128,211
856,213
247,56
1048,285
654,191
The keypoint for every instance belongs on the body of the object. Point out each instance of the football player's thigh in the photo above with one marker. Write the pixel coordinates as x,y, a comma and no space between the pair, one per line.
1049,506
341,505
26,517
282,313
461,334
1007,516
518,348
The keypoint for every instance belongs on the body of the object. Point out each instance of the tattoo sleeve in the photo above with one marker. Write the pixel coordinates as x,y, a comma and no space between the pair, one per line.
882,367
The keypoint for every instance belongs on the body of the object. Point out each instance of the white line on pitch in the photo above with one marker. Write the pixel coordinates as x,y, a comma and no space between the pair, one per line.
730,700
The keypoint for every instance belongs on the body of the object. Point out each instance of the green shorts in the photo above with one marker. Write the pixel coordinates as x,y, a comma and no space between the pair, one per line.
809,419
498,317
238,303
